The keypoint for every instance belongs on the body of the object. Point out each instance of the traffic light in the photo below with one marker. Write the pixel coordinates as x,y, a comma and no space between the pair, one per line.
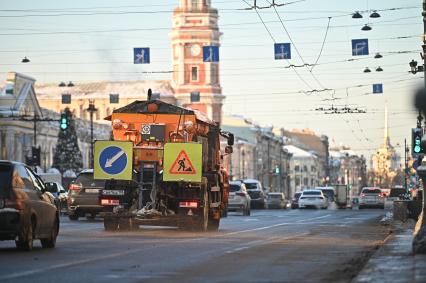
277,170
416,141
35,156
64,122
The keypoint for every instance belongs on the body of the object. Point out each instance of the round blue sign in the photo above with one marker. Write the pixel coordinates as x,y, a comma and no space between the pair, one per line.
113,160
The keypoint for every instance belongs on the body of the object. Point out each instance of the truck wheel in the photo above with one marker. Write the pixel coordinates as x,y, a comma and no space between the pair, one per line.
110,224
125,224
225,211
203,222
213,224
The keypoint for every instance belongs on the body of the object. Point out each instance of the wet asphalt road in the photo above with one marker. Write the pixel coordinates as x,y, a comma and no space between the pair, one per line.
268,246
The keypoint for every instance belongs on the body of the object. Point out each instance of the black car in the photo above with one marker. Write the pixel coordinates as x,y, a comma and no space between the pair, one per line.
295,200
83,196
27,210
257,195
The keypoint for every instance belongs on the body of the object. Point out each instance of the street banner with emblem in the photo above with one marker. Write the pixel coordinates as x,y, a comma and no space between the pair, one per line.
113,160
182,162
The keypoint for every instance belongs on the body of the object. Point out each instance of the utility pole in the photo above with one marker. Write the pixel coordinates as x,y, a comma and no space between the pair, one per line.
92,109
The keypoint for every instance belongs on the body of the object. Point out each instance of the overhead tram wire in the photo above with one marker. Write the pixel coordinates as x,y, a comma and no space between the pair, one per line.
298,54
295,47
301,57
238,25
273,39
323,43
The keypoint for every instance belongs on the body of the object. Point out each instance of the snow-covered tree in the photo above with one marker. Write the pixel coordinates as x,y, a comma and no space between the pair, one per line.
67,153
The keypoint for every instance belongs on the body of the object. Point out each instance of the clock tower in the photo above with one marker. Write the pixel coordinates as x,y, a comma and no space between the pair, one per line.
196,83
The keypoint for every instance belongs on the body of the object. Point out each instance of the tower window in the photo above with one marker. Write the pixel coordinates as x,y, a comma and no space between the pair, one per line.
194,73
194,4
195,96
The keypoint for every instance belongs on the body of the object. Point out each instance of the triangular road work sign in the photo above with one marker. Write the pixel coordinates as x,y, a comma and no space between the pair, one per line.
182,165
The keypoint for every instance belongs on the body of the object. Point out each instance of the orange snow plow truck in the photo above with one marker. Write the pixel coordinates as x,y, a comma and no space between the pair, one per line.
162,167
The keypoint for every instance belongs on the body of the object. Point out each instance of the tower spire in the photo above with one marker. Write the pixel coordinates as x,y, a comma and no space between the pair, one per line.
386,134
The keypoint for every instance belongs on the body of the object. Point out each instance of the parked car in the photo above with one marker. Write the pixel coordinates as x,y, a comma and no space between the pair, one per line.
83,196
276,200
371,197
239,199
255,190
27,210
313,198
59,193
295,200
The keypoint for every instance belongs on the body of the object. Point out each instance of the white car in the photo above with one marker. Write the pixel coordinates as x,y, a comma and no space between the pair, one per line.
239,199
313,198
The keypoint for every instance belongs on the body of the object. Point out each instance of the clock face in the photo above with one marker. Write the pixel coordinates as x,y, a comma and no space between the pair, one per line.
195,49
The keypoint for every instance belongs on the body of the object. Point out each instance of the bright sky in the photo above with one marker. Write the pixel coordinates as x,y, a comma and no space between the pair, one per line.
91,40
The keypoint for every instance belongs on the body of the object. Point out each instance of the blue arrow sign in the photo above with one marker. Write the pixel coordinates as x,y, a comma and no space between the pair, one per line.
282,51
359,47
210,53
141,55
377,88
113,160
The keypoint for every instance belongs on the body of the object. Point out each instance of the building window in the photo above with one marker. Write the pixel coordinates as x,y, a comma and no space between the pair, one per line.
305,181
297,168
194,73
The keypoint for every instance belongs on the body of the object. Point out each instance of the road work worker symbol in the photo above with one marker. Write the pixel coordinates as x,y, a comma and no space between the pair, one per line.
182,165
113,160
182,162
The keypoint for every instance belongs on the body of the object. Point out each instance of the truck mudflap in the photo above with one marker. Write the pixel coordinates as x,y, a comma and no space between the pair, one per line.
129,221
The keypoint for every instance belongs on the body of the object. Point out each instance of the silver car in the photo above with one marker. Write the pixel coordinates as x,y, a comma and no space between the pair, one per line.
371,197
276,200
239,199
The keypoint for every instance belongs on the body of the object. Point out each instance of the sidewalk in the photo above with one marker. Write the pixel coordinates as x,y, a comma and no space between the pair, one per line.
394,261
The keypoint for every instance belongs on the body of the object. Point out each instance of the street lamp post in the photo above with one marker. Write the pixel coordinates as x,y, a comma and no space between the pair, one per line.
92,109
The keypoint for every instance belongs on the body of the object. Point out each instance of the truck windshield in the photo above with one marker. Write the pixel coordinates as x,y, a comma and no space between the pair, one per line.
5,177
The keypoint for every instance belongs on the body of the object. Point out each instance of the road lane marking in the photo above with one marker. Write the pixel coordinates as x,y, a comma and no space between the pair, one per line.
262,242
120,254
275,225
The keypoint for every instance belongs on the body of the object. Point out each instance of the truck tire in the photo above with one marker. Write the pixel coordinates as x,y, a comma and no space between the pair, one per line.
213,224
110,224
125,224
203,221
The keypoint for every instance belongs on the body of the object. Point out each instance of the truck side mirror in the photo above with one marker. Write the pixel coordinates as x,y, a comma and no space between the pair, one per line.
228,149
231,139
